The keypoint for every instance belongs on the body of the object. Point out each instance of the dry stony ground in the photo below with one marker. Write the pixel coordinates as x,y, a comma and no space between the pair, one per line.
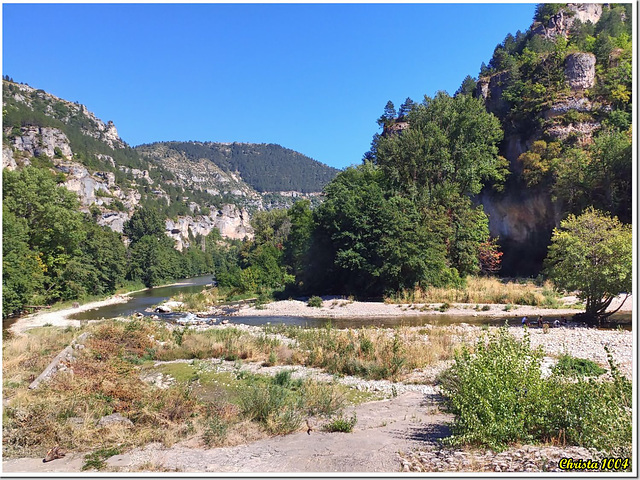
399,434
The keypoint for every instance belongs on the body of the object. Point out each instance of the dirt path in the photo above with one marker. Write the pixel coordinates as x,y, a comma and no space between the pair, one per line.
384,428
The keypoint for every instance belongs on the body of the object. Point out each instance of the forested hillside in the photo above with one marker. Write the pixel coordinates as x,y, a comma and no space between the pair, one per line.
562,92
84,213
266,167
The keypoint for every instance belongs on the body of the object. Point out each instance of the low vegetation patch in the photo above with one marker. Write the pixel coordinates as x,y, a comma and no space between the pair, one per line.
577,367
478,290
341,424
315,302
222,408
199,301
368,352
499,398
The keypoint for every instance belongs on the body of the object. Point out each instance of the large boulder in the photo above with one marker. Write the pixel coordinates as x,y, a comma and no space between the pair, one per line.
580,70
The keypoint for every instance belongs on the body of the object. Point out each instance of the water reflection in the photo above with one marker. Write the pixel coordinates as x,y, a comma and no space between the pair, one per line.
144,299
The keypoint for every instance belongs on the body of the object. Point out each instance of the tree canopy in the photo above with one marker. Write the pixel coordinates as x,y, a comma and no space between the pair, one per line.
592,253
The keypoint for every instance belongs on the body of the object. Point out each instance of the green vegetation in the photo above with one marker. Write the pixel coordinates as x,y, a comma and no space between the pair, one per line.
592,253
499,397
96,460
266,167
341,424
578,367
531,72
52,252
315,301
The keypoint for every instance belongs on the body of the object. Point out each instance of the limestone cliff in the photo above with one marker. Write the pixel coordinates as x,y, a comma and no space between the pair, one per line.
569,108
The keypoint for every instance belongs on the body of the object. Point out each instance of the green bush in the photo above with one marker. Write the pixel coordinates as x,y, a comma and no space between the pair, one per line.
216,432
274,407
498,398
341,424
315,301
572,366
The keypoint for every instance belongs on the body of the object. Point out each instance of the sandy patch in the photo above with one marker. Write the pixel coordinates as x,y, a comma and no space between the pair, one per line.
59,318
340,308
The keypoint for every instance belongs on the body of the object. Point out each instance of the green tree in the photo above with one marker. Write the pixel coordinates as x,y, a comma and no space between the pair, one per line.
468,86
405,108
144,221
296,249
374,242
592,253
22,270
449,148
388,116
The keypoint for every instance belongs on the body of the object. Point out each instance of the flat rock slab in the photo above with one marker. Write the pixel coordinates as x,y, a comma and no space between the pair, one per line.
383,429
68,463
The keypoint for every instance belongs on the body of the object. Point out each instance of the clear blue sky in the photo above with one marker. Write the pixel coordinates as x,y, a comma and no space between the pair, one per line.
310,77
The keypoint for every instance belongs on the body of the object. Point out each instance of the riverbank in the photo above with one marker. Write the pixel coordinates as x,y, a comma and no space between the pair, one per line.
60,318
333,307
405,428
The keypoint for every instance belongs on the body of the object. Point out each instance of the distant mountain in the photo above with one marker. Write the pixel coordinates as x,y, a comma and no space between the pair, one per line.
265,167
197,186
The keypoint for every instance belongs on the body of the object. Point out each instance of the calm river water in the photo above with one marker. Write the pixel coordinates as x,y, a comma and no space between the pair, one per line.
141,301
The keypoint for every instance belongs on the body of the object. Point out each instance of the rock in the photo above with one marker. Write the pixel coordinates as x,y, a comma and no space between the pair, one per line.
162,309
114,419
580,70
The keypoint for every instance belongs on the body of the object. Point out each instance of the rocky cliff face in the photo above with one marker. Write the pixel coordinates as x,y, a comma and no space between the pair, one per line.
115,202
524,217
560,23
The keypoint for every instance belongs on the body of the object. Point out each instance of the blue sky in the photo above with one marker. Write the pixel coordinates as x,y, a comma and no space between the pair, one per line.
310,77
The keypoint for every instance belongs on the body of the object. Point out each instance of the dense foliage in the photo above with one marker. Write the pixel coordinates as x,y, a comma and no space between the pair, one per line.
266,167
592,253
401,220
52,251
499,397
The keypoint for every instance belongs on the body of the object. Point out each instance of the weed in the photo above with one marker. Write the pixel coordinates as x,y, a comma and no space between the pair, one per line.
216,432
341,424
572,366
444,307
315,301
96,460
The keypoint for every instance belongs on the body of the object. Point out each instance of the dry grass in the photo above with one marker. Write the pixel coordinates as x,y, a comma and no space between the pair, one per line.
24,357
478,290
370,352
105,378
200,301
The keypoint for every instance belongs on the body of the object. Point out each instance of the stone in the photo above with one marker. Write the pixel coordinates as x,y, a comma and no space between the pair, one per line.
114,419
580,70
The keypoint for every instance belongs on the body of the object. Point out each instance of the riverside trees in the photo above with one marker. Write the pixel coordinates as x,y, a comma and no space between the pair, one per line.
592,253
404,219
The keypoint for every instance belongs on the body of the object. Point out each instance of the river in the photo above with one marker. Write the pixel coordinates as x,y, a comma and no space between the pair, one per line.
143,300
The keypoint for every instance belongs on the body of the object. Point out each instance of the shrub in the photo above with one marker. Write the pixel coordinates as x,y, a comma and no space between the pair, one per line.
341,424
315,301
572,366
96,460
215,432
273,407
499,397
